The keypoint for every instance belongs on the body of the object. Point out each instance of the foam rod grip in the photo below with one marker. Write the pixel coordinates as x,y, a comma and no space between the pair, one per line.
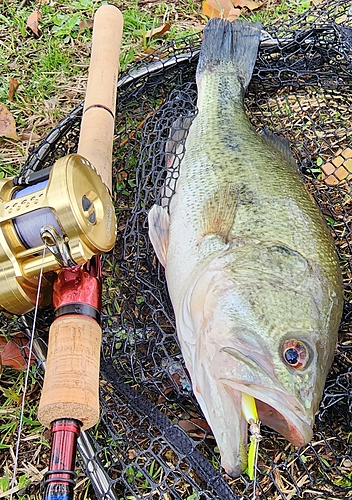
71,384
97,128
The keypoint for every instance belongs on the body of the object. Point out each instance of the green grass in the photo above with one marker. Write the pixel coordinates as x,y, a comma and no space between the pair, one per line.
281,11
63,48
5,483
11,392
52,68
10,406
58,59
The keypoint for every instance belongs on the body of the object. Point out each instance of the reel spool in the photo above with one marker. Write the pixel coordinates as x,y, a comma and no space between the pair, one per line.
69,210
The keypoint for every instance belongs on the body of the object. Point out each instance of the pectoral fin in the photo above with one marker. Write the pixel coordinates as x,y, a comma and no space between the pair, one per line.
219,212
158,220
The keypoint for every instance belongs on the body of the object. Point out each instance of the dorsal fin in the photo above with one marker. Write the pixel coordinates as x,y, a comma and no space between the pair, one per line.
281,145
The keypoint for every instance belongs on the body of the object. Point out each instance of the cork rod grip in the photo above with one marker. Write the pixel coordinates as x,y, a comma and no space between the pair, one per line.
97,128
71,383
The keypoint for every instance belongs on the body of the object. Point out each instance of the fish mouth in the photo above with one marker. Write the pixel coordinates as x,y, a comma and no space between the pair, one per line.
276,408
278,415
297,431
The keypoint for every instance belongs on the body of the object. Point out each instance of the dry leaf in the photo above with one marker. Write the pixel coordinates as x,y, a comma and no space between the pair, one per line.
217,8
132,454
338,168
12,356
202,423
7,124
13,86
233,14
86,24
29,136
249,4
12,351
191,426
158,31
33,22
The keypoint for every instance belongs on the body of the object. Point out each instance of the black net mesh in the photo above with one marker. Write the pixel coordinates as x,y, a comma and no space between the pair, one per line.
152,441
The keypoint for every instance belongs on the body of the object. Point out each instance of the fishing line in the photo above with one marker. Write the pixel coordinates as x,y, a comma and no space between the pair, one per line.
30,351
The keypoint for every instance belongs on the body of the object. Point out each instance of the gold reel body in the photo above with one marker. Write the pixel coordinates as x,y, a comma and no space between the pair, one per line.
76,203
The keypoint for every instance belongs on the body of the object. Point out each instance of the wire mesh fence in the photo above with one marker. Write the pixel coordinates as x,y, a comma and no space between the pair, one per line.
152,440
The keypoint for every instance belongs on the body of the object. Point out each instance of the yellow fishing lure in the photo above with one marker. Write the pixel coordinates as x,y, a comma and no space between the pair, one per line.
250,413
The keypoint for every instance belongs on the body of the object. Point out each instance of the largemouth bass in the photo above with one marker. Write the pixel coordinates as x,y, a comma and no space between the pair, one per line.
250,264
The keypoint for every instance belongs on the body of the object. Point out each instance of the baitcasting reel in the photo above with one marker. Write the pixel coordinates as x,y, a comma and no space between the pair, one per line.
68,210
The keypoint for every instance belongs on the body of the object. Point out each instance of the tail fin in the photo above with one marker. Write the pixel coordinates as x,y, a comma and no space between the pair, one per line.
232,44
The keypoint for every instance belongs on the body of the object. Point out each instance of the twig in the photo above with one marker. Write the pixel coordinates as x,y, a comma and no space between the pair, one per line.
22,4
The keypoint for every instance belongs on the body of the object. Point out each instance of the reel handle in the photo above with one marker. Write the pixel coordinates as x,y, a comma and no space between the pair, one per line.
97,127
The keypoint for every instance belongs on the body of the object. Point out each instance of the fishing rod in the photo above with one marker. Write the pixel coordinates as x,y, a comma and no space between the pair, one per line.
70,395
52,232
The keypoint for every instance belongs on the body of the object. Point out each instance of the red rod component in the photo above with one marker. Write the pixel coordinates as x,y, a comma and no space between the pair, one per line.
59,480
77,290
75,285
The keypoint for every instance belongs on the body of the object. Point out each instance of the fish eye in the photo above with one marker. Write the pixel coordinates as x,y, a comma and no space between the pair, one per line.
295,353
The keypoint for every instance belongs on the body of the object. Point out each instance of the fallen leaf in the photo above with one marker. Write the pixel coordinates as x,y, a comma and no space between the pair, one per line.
29,136
233,14
187,426
3,342
202,423
13,352
158,31
13,86
192,427
7,124
132,454
86,24
249,4
339,168
33,22
217,8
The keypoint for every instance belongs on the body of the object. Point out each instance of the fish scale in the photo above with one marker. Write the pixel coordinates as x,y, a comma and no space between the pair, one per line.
250,264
